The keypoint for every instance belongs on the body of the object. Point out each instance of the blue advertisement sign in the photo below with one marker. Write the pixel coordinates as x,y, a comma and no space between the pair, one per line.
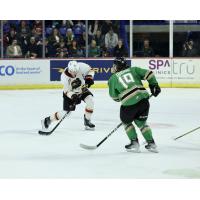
102,68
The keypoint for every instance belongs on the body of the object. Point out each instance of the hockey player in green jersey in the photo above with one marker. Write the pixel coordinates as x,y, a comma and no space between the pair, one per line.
125,86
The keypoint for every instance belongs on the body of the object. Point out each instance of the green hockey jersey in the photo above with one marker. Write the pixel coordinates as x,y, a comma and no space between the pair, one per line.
126,86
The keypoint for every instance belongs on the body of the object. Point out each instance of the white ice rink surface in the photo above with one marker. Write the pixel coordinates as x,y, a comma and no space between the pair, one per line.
26,154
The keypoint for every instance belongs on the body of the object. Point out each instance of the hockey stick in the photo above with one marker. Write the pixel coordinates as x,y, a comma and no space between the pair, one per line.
50,132
84,146
83,87
187,133
96,146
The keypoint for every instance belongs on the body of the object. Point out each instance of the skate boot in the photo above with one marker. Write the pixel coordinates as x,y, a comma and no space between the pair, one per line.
151,146
133,146
45,123
88,124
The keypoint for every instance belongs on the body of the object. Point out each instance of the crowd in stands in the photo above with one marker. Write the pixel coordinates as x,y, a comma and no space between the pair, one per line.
104,39
22,39
67,39
63,39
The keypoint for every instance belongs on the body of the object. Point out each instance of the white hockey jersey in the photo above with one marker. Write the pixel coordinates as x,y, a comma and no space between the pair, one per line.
84,69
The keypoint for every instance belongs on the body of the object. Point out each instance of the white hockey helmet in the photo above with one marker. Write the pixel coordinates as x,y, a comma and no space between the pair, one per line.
73,67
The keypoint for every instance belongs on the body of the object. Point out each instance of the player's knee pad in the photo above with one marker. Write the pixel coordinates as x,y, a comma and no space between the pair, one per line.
130,131
128,127
142,125
89,102
58,115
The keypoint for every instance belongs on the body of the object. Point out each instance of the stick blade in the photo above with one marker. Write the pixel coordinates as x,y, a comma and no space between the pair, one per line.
176,138
44,132
88,147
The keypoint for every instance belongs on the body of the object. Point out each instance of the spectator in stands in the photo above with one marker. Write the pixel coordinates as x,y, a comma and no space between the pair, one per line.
93,50
14,50
49,50
36,32
24,44
24,34
106,26
78,30
79,24
10,37
74,50
99,38
69,37
120,50
55,24
23,29
147,51
105,52
37,24
33,49
82,42
189,50
55,38
111,40
62,50
93,27
67,23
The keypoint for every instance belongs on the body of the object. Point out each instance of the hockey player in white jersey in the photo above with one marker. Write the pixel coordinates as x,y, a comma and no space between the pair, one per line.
75,76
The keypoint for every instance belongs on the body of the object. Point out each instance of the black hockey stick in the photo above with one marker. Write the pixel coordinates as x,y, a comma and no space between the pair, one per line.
88,147
187,133
84,89
96,146
50,132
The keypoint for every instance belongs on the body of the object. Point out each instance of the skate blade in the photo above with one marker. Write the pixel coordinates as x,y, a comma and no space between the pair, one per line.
133,150
89,129
153,150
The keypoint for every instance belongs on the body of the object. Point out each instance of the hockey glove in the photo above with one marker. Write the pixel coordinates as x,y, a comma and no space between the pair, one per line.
89,80
76,99
155,90
76,83
84,89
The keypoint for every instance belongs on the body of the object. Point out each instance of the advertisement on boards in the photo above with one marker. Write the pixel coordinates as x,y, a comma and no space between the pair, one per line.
101,67
172,71
186,71
24,72
160,67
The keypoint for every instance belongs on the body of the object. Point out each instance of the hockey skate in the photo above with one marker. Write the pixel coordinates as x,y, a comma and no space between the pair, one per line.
45,123
133,146
152,147
88,124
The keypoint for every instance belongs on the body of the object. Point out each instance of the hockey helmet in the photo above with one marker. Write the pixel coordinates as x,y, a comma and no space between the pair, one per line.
119,64
73,67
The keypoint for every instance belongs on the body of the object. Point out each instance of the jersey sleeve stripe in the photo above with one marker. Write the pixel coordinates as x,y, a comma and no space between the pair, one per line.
148,75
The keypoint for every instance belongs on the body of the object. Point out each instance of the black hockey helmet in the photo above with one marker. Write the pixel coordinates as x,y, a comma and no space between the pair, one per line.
119,64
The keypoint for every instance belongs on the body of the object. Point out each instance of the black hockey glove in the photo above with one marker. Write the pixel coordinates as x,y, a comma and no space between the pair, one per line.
89,80
84,89
76,83
76,99
155,90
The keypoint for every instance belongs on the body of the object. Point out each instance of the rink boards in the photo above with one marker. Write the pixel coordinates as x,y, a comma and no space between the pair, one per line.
45,73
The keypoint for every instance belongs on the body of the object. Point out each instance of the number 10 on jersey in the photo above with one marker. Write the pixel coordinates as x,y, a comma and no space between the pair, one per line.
125,79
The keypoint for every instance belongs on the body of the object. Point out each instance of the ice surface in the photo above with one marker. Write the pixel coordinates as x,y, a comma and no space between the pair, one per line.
26,154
